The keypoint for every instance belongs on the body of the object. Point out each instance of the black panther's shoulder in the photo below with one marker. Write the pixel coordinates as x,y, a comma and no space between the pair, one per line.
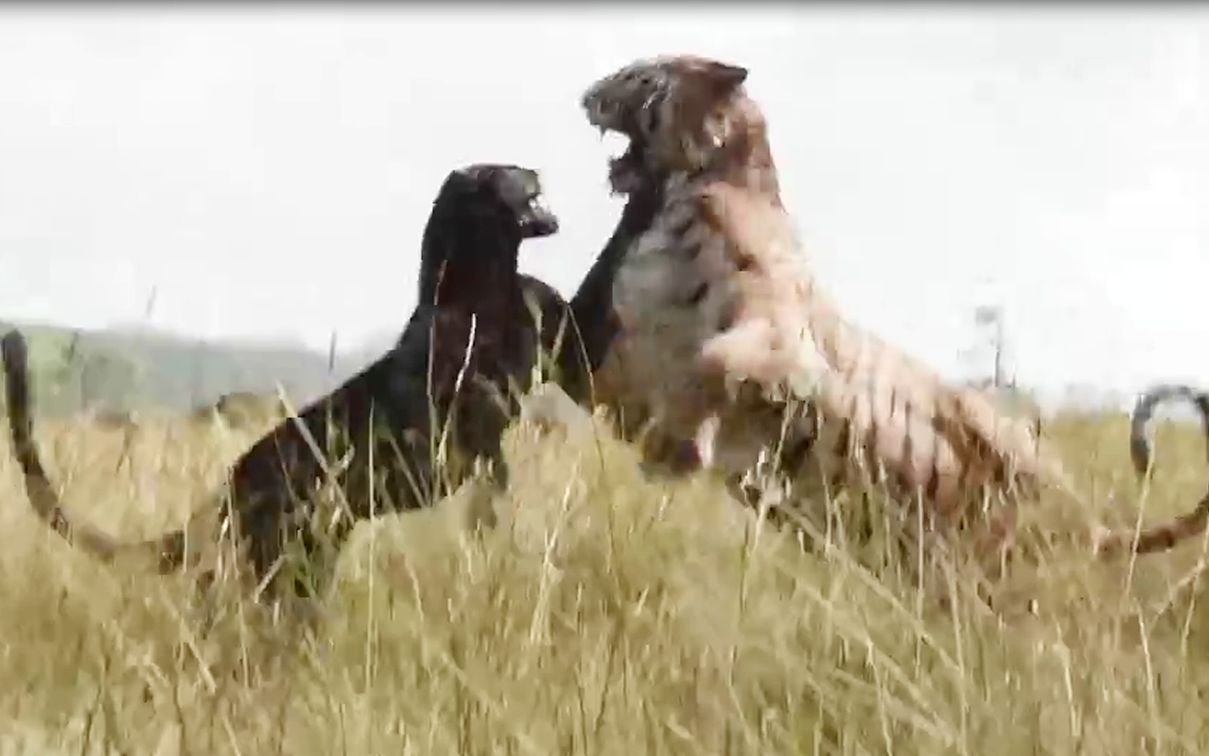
428,356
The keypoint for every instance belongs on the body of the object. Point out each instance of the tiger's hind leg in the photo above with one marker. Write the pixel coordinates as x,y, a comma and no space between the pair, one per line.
979,548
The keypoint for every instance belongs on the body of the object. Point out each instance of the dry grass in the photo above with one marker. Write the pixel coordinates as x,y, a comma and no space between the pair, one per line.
606,615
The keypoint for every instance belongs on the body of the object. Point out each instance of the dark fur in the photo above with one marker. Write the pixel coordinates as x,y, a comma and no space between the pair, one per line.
592,306
468,279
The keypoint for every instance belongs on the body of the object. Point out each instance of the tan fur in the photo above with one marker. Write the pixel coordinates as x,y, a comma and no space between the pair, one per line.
887,418
724,328
677,311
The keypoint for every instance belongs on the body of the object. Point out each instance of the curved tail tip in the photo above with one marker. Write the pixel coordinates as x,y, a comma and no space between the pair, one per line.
12,346
1140,442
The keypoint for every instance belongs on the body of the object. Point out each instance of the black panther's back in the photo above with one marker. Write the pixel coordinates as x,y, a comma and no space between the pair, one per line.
394,410
379,414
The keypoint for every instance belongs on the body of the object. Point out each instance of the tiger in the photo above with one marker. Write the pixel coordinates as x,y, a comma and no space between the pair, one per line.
729,351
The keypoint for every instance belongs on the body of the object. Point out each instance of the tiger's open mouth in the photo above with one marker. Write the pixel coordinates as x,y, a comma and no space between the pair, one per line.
625,169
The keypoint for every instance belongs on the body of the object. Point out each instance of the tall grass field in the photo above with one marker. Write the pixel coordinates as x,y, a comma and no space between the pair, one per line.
607,612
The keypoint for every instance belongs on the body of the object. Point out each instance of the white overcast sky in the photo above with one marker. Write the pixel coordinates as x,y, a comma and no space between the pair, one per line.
268,171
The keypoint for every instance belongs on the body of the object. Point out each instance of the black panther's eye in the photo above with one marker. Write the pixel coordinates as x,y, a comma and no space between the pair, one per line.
533,187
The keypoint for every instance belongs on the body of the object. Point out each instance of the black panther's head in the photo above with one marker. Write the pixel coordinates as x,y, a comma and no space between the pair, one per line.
481,214
510,194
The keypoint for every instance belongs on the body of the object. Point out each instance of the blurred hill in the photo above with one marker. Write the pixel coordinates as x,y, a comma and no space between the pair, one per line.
127,368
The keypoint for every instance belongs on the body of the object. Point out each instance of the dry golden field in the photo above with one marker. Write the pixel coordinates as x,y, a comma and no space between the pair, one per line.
606,614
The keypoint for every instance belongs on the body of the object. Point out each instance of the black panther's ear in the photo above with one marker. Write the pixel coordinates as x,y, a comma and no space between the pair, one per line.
459,181
474,174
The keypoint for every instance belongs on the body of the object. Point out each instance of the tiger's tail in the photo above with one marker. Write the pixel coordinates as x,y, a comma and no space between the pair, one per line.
1169,534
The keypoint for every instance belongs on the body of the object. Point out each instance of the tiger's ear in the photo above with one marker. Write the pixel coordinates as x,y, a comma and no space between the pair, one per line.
723,77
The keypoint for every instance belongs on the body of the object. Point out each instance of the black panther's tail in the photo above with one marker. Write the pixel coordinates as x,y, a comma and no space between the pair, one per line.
168,551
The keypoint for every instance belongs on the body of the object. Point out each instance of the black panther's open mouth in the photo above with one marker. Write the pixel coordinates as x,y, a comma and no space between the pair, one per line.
538,220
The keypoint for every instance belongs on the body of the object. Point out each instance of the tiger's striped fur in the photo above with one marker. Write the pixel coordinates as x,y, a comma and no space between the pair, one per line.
728,345
696,135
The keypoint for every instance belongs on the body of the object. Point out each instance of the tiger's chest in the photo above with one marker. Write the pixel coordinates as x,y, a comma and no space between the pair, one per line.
658,296
667,300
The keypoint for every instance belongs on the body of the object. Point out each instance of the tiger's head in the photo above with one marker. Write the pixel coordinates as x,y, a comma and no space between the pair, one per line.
681,113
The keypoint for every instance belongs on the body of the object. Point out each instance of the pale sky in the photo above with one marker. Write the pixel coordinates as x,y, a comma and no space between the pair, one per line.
268,172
